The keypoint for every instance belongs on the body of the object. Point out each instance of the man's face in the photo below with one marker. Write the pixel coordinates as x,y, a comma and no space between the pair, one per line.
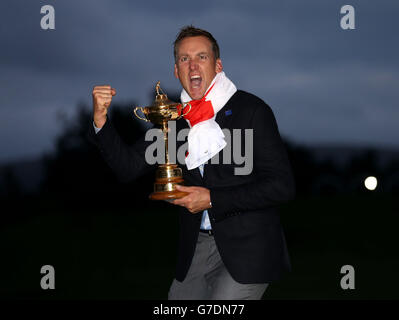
196,65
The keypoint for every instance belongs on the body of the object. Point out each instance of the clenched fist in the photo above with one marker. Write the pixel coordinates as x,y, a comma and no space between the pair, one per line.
102,97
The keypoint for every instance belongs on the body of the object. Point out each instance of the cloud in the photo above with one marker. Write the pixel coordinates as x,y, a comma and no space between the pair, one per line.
324,83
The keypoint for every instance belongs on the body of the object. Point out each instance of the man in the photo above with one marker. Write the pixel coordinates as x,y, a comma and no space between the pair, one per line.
231,243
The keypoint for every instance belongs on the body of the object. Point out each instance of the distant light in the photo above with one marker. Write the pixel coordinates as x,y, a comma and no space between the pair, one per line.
370,183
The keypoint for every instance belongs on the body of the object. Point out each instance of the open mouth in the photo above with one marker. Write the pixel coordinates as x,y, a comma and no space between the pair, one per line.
195,81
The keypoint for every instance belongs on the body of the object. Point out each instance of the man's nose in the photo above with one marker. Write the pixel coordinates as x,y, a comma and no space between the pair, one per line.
193,65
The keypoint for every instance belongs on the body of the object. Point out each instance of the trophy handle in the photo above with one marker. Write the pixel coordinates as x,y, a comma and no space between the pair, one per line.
135,113
183,109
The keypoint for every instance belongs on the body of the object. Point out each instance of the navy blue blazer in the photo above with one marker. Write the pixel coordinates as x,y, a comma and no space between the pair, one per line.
244,215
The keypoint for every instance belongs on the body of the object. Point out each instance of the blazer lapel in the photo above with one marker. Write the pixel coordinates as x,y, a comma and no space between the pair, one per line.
223,119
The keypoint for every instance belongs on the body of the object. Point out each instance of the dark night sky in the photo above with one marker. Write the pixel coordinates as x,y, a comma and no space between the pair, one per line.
324,84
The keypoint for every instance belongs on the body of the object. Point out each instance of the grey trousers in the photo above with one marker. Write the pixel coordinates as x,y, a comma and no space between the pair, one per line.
208,278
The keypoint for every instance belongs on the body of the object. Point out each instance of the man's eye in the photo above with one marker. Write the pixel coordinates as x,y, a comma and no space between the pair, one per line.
203,57
183,59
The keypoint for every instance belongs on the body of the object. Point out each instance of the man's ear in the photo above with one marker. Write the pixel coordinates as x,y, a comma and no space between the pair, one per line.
219,66
175,72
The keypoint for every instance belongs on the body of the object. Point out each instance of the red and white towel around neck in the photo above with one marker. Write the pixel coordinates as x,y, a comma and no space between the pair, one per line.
206,138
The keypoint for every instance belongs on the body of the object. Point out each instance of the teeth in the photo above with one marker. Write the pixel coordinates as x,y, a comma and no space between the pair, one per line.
195,77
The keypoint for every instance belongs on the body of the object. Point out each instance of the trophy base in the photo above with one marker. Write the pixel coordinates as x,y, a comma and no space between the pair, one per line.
167,177
167,195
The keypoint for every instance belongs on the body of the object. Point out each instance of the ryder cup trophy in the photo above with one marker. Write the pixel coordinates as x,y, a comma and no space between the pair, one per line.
167,175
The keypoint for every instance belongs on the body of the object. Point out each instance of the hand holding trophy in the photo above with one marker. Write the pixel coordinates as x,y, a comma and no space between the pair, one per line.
167,175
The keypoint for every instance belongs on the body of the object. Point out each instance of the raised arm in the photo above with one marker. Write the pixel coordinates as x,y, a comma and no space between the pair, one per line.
127,161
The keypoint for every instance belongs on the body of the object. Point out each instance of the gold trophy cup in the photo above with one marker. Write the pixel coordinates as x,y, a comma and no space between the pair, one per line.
167,175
